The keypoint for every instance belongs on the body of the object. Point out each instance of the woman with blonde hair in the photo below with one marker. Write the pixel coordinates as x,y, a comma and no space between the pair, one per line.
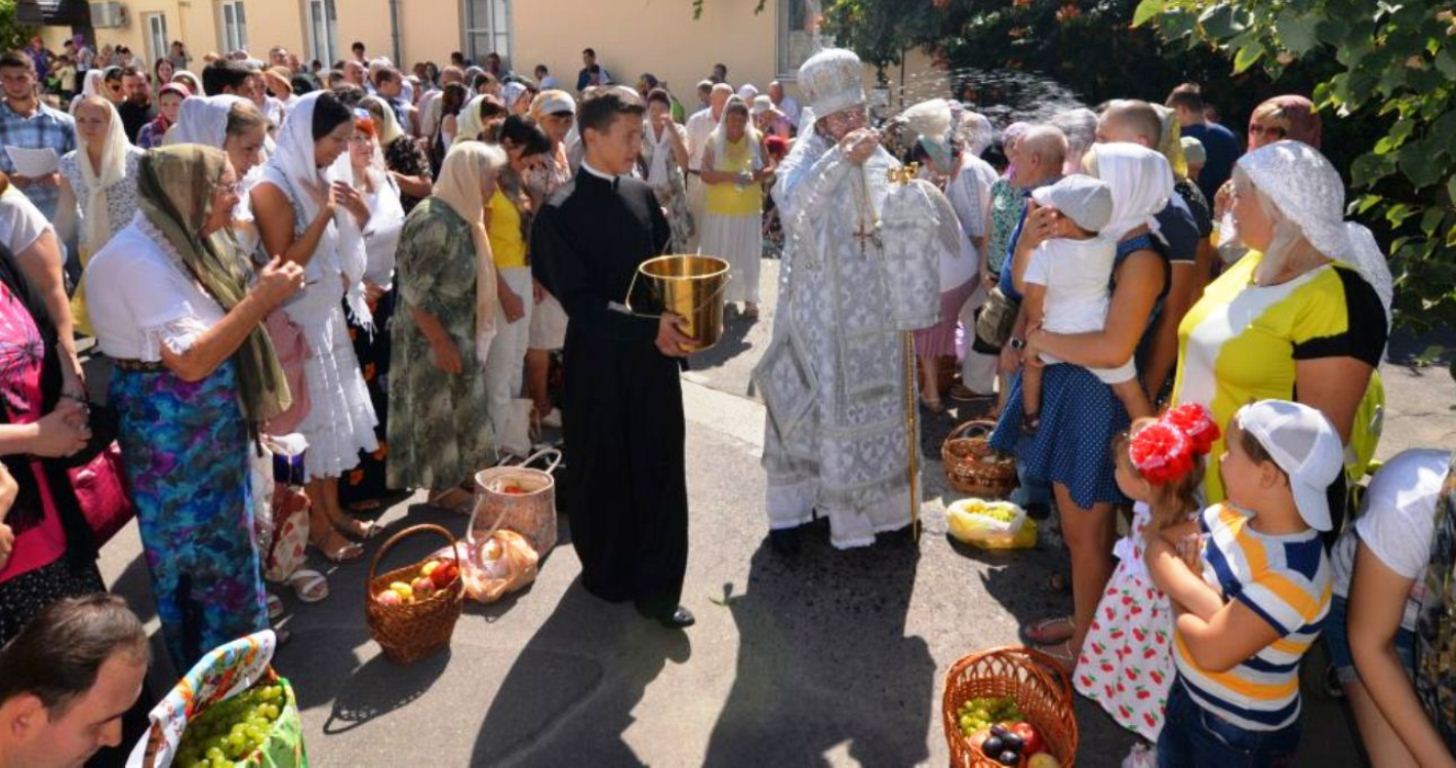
442,332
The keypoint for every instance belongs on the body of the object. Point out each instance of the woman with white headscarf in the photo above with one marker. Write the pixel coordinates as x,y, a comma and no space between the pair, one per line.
439,429
477,117
98,186
734,167
406,160
91,85
308,212
1303,316
1080,415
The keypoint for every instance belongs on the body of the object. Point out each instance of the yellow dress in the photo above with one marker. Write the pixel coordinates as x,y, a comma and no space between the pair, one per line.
730,199
1242,342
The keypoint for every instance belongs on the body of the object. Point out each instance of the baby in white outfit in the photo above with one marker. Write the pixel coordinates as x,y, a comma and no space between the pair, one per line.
1074,269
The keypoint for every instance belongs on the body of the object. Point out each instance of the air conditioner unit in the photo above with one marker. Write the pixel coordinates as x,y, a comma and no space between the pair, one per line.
108,14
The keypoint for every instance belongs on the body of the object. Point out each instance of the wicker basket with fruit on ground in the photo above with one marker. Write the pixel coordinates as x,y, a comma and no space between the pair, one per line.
1020,693
972,467
411,611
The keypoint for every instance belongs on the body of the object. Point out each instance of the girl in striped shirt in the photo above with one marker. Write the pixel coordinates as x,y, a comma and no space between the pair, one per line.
1248,615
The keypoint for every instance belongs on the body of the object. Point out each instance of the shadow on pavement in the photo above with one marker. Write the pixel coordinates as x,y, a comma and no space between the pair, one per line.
823,659
733,342
380,687
570,692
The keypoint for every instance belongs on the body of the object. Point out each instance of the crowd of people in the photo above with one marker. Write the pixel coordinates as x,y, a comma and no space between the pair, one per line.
388,264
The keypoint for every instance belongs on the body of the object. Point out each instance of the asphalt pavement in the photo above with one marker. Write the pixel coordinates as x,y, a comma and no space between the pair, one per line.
826,658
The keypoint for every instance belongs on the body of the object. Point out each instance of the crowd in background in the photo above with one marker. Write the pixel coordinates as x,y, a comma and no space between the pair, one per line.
271,247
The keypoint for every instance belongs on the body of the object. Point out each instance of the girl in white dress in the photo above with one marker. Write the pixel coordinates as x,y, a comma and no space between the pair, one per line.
308,212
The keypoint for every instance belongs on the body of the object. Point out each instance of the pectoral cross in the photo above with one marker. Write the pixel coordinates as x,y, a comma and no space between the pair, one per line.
867,233
867,229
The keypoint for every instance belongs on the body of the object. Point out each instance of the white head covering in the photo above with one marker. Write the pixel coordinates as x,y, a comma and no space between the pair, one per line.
833,81
293,162
203,120
389,129
468,125
91,86
466,167
930,120
1141,182
719,136
747,92
977,133
511,93
1309,192
98,181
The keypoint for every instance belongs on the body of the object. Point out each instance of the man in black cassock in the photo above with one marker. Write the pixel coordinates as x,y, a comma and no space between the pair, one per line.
626,493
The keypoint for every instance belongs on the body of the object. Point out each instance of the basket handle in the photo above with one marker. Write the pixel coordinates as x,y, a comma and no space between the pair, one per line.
554,453
985,426
410,531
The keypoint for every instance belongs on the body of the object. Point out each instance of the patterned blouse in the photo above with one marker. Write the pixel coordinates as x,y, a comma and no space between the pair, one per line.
121,197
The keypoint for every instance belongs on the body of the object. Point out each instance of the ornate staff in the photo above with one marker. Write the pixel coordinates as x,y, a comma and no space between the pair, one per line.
904,175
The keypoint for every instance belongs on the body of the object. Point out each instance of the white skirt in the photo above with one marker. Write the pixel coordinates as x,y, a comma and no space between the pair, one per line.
548,324
341,419
739,241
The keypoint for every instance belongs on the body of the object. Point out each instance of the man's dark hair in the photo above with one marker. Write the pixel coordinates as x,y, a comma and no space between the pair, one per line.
525,135
132,70
329,113
590,52
302,85
57,656
357,46
224,74
111,74
1188,96
542,68
602,108
348,94
18,59
385,75
660,96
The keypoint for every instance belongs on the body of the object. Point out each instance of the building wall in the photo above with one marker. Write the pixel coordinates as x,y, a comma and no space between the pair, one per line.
636,36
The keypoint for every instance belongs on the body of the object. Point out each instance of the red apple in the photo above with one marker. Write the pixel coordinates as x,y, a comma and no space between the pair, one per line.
444,575
1029,738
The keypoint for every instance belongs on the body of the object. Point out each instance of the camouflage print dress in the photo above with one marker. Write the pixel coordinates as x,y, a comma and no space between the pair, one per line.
439,434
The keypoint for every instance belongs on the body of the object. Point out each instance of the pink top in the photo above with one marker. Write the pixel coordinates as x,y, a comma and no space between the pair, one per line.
39,538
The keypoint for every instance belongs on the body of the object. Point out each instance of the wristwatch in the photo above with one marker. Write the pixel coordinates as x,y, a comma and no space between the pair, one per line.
1017,343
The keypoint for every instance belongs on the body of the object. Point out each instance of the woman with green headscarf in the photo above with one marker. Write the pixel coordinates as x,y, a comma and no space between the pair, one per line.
195,375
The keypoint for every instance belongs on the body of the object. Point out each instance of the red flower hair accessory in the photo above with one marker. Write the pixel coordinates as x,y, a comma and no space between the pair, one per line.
1195,421
1161,453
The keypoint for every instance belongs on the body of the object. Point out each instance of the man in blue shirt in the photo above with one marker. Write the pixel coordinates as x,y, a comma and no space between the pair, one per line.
1219,143
27,123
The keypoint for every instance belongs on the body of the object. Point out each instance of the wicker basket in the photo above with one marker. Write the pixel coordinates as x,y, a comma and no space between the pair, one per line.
970,465
412,631
1040,688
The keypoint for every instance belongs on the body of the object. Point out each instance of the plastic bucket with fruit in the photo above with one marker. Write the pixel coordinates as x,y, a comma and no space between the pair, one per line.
1009,706
518,498
231,709
411,611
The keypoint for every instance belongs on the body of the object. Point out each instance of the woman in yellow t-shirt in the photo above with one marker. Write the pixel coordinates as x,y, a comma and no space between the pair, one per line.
507,219
1303,316
734,166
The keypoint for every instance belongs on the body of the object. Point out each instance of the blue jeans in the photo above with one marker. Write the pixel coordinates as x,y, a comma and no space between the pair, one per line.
1194,737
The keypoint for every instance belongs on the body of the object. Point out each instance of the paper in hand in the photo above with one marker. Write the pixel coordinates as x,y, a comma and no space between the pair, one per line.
33,163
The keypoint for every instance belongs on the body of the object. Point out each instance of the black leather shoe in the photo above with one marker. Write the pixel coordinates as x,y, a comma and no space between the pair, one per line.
784,541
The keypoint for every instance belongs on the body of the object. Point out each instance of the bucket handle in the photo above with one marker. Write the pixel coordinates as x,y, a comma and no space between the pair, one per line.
554,453
727,278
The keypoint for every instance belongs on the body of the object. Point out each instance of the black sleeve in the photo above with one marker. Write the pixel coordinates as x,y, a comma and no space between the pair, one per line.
661,230
556,261
1181,233
1366,330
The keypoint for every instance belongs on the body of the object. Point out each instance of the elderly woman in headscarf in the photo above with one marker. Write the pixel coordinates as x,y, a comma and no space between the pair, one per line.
195,376
310,216
478,119
237,127
734,167
439,431
407,163
98,186
1304,315
1080,415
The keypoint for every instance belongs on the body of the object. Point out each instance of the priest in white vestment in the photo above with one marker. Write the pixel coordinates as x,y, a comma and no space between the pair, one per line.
838,437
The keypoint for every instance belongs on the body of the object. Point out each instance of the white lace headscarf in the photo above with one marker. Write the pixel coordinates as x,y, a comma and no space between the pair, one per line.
1141,182
385,121
98,180
468,124
342,246
203,120
719,137
1310,196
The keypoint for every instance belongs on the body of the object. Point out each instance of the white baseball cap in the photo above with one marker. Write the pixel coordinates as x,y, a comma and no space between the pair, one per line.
1086,200
1304,444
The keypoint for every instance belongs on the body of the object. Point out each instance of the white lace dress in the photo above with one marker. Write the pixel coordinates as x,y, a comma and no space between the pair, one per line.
341,419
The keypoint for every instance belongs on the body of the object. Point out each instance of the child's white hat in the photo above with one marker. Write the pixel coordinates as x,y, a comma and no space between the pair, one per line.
1304,444
1086,200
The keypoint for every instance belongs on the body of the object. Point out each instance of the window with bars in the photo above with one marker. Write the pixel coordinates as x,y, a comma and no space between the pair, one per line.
234,26
488,29
323,21
156,27
796,36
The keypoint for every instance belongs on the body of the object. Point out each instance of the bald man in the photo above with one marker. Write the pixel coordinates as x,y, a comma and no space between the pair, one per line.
699,127
1136,122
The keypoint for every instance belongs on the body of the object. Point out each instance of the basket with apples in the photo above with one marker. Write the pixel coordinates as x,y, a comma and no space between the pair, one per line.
411,611
1009,706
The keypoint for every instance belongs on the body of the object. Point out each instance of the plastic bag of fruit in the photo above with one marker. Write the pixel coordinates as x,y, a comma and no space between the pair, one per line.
230,709
990,524
498,565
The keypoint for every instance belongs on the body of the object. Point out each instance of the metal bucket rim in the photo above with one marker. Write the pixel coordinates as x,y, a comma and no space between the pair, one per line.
722,267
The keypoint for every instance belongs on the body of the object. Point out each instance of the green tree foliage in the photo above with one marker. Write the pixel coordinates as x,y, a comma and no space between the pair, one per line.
1393,63
12,34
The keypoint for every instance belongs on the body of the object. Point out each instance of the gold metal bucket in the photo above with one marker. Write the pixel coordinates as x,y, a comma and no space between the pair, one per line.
690,286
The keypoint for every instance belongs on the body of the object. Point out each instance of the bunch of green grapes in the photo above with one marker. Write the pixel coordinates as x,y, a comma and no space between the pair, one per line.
999,512
228,731
985,711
